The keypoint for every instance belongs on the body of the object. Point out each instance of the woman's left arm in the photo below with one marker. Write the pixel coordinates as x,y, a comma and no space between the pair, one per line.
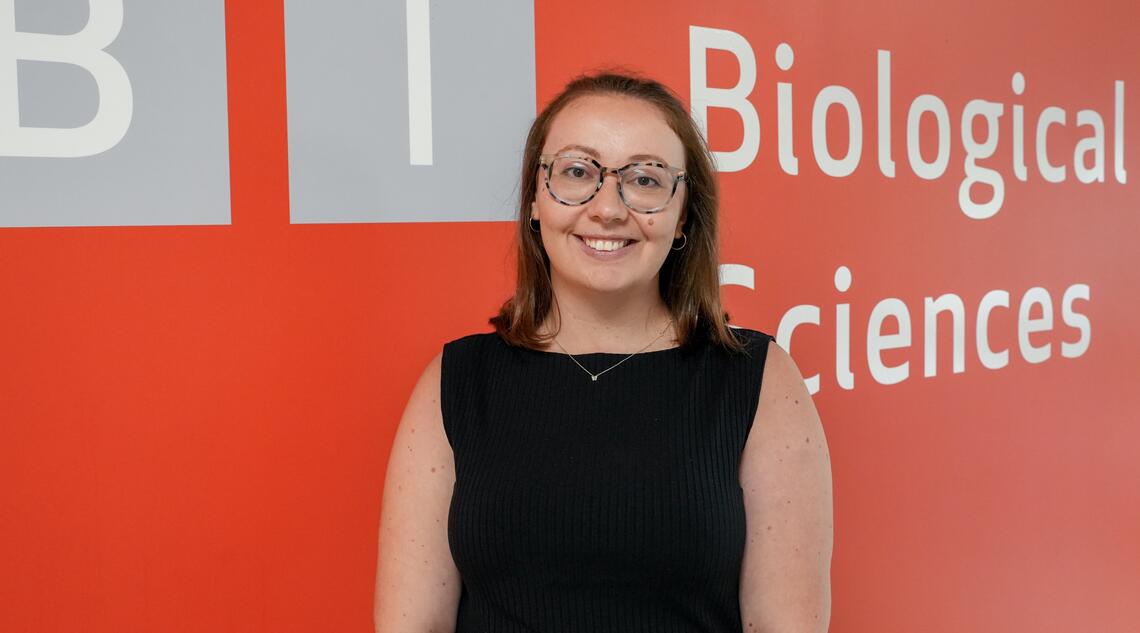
785,473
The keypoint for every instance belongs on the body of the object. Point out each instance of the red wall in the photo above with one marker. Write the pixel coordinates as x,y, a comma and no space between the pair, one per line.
196,419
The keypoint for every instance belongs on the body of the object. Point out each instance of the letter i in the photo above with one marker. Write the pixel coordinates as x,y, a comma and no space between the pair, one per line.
1019,170
419,83
785,57
886,163
1118,133
843,373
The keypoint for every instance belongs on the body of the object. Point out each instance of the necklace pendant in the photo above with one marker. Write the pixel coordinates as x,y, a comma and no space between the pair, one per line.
594,378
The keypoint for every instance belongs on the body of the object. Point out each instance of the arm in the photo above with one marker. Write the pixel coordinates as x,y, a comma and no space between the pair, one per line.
417,583
785,473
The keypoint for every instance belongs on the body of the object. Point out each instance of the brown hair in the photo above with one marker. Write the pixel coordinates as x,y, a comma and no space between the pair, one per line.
689,282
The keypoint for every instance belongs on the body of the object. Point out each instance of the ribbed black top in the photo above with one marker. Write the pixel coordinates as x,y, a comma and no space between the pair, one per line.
612,505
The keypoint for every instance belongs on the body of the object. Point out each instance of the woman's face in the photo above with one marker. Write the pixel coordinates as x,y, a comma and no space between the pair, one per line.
612,130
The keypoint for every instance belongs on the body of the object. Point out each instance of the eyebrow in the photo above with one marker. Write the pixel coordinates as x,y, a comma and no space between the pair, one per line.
593,152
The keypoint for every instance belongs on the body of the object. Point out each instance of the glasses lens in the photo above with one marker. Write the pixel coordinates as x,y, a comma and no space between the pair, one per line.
647,187
573,179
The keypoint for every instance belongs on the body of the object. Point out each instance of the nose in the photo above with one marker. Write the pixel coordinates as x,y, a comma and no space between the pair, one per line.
607,205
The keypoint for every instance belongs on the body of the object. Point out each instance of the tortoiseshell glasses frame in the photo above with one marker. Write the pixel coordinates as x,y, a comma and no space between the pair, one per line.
546,161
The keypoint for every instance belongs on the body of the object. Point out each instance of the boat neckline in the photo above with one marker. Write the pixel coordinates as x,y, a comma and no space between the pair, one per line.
561,353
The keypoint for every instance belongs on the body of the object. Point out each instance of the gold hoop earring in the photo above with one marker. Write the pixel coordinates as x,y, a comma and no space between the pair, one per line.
685,242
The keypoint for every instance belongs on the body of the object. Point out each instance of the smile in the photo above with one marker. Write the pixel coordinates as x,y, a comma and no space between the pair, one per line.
605,249
605,245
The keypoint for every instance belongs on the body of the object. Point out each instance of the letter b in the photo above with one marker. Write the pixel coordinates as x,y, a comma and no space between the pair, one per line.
703,97
84,49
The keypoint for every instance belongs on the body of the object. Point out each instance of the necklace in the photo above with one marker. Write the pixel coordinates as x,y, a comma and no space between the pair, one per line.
594,377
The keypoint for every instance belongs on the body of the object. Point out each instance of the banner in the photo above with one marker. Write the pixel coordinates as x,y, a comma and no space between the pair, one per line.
235,233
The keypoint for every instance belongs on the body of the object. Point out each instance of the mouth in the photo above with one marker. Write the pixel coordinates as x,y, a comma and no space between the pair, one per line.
605,246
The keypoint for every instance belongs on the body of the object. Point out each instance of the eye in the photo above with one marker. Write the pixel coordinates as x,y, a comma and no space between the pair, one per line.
645,177
572,169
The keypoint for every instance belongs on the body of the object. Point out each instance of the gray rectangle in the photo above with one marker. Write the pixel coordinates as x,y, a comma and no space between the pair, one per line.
349,153
172,165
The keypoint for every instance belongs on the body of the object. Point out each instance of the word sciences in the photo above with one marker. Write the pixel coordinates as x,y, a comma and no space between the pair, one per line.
1033,299
982,190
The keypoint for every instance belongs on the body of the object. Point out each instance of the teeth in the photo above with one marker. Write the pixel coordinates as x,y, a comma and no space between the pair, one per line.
605,245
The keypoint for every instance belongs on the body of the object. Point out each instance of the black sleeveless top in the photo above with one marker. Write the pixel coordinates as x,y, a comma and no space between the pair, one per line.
608,505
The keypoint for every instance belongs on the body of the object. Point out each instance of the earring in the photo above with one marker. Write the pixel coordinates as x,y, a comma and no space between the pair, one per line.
533,224
686,241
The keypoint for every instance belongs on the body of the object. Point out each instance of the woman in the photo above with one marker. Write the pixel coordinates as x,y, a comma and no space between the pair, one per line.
613,457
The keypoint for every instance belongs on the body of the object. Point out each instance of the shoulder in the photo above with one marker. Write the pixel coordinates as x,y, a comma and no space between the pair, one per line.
781,374
436,381
476,339
470,346
427,387
749,335
755,342
762,350
782,393
784,400
460,368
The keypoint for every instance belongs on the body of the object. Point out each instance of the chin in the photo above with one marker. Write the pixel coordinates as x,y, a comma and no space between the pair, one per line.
611,285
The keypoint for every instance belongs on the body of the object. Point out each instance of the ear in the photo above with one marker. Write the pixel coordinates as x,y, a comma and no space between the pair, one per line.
533,210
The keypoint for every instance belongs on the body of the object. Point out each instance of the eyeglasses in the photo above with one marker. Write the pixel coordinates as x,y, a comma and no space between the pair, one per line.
645,187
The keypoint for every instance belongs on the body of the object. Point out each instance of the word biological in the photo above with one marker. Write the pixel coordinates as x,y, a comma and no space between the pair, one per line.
703,97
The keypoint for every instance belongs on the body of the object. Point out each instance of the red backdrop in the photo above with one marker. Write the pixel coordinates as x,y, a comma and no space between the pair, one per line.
196,420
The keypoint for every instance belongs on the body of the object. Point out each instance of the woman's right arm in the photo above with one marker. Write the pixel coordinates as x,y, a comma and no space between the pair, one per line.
417,583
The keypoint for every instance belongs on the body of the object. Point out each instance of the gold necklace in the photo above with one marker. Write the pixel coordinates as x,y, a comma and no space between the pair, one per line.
594,377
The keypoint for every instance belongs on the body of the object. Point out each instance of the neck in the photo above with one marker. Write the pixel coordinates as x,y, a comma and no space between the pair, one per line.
619,322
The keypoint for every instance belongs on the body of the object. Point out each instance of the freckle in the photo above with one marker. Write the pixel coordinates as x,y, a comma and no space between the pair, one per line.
786,446
789,500
808,440
413,431
399,487
769,527
433,469
797,401
781,461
